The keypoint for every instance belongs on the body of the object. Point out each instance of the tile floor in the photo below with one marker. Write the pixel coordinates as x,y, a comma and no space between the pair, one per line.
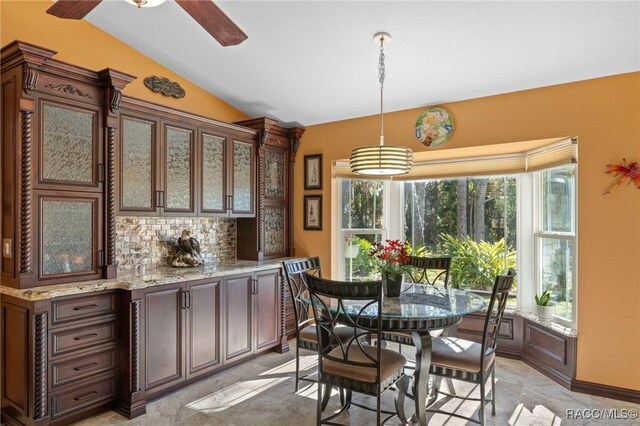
260,392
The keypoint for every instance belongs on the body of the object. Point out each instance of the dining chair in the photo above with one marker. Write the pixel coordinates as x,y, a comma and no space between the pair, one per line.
461,359
353,365
305,328
430,270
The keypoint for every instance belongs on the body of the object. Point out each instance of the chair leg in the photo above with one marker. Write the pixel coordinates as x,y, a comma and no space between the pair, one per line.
297,366
493,391
482,402
402,387
327,395
449,382
378,408
319,405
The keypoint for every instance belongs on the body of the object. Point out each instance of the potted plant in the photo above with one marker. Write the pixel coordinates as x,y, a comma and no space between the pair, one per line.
545,306
391,258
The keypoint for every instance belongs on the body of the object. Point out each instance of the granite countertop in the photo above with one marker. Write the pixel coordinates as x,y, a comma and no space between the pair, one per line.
149,277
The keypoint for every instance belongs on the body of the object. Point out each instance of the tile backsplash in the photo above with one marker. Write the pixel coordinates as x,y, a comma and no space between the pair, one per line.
139,242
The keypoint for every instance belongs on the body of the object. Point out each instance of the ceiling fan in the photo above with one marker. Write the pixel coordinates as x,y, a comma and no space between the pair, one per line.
204,12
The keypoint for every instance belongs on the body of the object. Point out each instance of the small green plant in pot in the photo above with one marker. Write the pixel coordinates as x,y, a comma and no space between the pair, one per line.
545,306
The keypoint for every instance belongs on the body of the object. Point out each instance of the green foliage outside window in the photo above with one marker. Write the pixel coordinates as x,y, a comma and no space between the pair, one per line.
475,264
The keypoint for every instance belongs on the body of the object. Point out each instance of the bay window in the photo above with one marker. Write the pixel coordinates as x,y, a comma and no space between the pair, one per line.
488,224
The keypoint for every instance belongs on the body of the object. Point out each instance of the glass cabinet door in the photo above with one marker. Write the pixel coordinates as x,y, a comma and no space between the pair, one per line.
69,237
137,171
178,195
243,177
275,176
69,146
213,165
275,242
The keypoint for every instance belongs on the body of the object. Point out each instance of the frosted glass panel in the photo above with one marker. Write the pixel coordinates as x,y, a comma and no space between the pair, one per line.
178,190
212,172
136,164
274,179
242,176
67,144
67,236
273,230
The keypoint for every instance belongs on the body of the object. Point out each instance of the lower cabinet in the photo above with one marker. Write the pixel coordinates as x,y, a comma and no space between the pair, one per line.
252,313
182,332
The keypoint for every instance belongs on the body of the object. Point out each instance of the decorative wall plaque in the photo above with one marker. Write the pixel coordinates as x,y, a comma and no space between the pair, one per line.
165,86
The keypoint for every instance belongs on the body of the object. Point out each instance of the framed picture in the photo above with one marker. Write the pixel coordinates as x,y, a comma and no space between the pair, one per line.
313,171
313,212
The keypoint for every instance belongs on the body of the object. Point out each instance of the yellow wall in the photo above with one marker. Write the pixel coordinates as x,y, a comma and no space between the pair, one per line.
80,43
605,115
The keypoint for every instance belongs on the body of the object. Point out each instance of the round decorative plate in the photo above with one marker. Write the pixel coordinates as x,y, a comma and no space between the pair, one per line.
434,127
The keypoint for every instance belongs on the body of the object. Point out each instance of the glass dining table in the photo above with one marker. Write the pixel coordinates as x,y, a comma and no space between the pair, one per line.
410,319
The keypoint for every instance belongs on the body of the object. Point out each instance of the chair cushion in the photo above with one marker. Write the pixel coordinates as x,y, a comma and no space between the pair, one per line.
458,354
390,363
342,332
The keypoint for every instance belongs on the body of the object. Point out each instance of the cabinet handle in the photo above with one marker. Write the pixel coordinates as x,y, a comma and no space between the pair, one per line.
188,299
86,336
161,199
84,367
85,396
183,299
100,172
158,199
101,259
254,286
85,307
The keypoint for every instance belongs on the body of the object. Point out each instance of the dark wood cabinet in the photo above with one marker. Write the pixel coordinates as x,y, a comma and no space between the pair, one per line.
252,313
267,309
269,235
182,332
60,124
238,317
203,327
61,358
164,337
177,164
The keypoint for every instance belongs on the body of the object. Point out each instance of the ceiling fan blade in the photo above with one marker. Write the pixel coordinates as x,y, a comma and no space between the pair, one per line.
72,9
214,21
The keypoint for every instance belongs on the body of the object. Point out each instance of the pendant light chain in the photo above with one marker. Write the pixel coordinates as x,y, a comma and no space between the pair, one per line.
381,75
381,160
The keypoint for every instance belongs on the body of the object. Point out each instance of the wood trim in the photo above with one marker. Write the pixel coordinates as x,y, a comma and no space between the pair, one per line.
613,392
40,369
25,196
135,103
135,345
110,200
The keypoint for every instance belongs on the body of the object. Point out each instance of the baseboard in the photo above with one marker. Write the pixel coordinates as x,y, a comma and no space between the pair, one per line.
606,391
551,373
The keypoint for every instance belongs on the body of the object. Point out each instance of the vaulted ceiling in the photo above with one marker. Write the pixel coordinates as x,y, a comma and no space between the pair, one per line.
311,62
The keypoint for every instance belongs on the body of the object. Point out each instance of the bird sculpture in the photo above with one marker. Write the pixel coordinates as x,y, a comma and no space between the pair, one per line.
188,252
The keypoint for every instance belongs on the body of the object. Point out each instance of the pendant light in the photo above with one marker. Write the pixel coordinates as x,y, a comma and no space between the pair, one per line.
381,160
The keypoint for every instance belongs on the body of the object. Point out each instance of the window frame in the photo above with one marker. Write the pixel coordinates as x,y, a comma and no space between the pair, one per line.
539,233
529,208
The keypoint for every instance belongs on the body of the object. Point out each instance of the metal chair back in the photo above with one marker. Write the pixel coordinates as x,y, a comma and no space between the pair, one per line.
294,271
430,270
495,311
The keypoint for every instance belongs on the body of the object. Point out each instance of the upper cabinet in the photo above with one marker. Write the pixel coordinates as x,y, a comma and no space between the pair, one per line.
60,125
173,164
269,234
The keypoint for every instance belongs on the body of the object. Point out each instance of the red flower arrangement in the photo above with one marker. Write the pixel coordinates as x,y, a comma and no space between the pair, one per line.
623,171
391,256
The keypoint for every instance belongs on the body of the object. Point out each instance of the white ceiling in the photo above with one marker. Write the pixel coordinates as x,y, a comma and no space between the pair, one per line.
310,62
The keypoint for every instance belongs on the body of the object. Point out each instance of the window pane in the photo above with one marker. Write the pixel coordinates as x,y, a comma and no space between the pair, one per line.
358,265
558,204
362,203
471,219
556,274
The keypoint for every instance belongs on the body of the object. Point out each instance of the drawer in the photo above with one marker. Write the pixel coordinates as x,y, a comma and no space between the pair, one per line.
79,398
67,371
79,338
80,308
